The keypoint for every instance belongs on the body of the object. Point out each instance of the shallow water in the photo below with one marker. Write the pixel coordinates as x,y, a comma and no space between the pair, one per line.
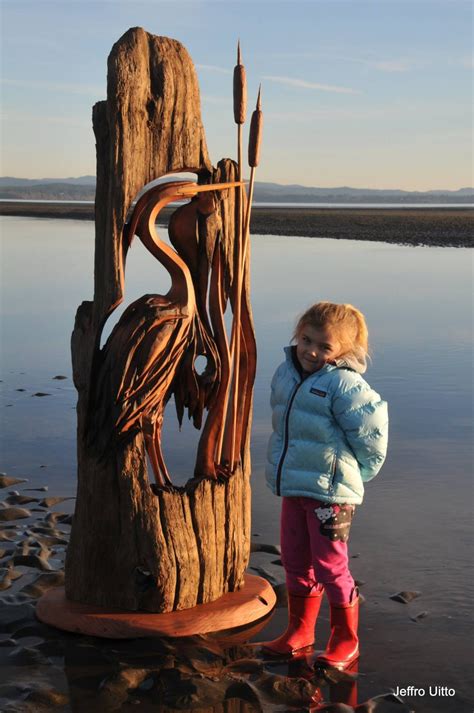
278,204
414,529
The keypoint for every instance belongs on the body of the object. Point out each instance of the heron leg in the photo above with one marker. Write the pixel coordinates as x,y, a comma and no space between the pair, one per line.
161,461
152,433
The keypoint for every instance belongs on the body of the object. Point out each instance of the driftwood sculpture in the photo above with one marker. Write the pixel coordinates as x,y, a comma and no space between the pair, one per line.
151,352
138,542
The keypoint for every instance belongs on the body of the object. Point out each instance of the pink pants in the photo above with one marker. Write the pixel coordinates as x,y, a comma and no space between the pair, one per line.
314,548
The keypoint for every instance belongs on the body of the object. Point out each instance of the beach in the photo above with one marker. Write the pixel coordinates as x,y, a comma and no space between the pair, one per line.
443,227
227,672
411,541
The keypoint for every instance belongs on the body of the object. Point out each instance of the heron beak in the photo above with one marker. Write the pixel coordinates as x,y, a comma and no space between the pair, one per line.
193,189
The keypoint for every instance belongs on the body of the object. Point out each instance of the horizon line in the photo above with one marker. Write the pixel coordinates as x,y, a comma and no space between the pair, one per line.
60,179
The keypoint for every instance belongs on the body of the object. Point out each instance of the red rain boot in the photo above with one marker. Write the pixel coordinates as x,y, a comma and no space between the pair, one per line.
343,646
302,615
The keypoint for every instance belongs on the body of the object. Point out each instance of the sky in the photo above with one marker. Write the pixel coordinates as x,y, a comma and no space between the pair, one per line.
368,94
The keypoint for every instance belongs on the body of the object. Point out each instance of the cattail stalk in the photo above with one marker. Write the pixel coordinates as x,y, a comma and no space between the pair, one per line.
255,141
240,110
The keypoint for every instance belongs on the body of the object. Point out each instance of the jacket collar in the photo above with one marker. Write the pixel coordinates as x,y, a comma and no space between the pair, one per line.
295,366
351,363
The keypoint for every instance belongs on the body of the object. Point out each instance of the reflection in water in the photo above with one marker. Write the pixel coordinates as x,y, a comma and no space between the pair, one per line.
188,674
197,675
413,531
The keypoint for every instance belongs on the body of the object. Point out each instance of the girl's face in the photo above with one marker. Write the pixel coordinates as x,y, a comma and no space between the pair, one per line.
314,347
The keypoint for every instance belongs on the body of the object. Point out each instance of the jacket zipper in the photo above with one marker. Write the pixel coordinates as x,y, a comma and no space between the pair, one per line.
333,471
285,442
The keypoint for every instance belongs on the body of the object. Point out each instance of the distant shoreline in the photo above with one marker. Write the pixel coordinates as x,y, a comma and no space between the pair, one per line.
444,227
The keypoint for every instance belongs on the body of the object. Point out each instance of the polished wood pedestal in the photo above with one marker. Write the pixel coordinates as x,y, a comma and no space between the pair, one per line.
252,602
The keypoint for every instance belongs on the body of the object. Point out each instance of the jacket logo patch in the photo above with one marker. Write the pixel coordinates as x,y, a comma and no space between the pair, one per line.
318,392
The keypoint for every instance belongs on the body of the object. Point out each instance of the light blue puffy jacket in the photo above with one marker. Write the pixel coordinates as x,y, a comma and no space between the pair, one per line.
329,433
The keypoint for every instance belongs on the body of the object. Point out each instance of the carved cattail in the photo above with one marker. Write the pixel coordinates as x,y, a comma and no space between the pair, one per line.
240,90
240,110
255,140
255,135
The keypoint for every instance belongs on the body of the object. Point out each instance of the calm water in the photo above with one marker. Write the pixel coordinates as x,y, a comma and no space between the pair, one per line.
280,204
414,529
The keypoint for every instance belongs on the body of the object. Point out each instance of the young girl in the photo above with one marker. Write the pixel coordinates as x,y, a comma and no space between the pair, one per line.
329,438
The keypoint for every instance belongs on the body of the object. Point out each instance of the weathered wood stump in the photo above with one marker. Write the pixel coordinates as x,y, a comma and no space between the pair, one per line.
131,547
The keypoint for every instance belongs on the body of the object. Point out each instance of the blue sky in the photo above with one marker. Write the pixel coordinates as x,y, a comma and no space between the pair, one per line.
368,94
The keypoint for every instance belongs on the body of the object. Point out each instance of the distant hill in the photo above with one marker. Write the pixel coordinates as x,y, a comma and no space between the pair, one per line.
61,189
274,192
83,188
9,181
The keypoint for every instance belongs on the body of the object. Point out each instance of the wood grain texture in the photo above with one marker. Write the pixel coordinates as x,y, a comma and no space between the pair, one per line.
132,548
151,126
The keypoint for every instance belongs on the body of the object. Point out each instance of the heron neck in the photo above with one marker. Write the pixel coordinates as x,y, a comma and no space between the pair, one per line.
182,288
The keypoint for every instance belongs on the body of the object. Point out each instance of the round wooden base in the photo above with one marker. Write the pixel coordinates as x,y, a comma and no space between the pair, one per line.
253,601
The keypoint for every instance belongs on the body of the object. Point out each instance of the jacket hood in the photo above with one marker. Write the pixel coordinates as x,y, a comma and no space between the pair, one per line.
355,361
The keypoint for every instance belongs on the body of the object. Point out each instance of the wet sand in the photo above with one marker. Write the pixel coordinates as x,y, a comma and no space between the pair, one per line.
46,669
444,227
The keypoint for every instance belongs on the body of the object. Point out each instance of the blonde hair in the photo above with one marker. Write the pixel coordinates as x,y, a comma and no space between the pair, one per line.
347,322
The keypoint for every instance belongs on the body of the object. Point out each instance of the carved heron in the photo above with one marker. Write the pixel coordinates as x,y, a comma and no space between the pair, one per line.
134,375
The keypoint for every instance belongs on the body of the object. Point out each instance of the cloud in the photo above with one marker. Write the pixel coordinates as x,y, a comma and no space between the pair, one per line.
15,118
467,62
210,99
304,84
63,87
330,114
213,68
394,65
33,40
400,64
